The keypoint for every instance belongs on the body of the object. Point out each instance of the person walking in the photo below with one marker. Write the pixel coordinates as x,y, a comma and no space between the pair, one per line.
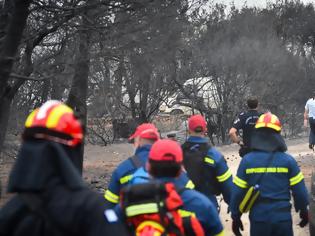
265,179
309,115
205,165
246,122
165,166
143,138
50,197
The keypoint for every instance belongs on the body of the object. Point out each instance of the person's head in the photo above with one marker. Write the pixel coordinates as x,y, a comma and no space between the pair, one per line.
145,133
50,151
165,159
269,121
252,103
197,125
54,121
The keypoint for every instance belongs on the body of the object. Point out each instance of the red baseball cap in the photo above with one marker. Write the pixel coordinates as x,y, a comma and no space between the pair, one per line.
166,150
147,131
197,121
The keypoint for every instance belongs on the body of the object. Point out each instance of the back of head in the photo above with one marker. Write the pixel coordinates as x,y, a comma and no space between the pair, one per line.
252,103
267,134
147,132
51,142
165,159
197,124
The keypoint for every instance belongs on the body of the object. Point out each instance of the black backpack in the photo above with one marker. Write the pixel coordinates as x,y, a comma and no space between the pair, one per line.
203,176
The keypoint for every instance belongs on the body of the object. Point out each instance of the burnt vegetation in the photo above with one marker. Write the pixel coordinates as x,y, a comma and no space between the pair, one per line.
119,61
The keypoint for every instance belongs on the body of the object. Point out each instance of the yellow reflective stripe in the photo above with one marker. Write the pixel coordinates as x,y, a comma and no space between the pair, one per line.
239,182
225,176
146,208
220,234
111,197
151,223
209,160
267,170
30,118
55,115
190,185
296,179
184,213
125,179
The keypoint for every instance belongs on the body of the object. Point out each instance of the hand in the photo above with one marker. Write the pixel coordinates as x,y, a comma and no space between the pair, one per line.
304,218
305,122
237,225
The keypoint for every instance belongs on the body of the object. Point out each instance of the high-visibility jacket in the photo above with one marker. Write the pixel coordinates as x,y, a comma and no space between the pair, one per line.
281,176
197,204
215,162
124,173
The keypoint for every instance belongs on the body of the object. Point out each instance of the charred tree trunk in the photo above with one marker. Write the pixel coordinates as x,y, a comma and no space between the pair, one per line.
9,49
78,92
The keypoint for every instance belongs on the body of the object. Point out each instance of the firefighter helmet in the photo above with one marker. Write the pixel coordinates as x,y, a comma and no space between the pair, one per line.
56,122
268,120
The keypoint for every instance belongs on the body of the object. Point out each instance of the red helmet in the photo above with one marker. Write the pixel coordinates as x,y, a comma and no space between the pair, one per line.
197,121
268,120
56,122
166,150
147,131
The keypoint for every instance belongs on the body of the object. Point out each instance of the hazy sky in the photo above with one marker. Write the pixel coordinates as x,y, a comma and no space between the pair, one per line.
258,3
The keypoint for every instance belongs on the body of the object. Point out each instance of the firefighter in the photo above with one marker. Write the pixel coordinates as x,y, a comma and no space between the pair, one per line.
205,165
51,198
246,122
165,165
264,180
144,136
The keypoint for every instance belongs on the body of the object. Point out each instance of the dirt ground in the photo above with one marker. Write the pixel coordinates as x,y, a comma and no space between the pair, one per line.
100,161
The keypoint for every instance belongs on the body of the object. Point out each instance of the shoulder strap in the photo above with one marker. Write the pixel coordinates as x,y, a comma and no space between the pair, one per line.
135,160
35,204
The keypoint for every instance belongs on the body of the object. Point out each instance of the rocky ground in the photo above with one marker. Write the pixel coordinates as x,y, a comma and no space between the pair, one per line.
100,161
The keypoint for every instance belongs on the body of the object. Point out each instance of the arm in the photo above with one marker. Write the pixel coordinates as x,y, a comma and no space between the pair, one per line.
298,188
306,115
239,189
233,131
111,195
211,221
224,177
233,135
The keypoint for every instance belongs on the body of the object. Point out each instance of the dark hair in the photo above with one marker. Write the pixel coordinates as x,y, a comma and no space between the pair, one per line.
199,129
161,169
252,103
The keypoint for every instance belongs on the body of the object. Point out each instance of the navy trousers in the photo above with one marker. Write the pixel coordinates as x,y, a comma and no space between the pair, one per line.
280,228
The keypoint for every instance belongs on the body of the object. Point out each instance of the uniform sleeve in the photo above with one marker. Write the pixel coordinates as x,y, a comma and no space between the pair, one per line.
224,177
237,123
298,188
239,188
111,195
211,222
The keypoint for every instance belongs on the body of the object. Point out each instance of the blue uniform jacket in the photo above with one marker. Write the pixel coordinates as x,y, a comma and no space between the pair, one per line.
216,162
194,203
281,176
123,174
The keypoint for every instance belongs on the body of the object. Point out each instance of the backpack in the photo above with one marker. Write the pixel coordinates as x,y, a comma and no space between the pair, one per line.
201,175
153,209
